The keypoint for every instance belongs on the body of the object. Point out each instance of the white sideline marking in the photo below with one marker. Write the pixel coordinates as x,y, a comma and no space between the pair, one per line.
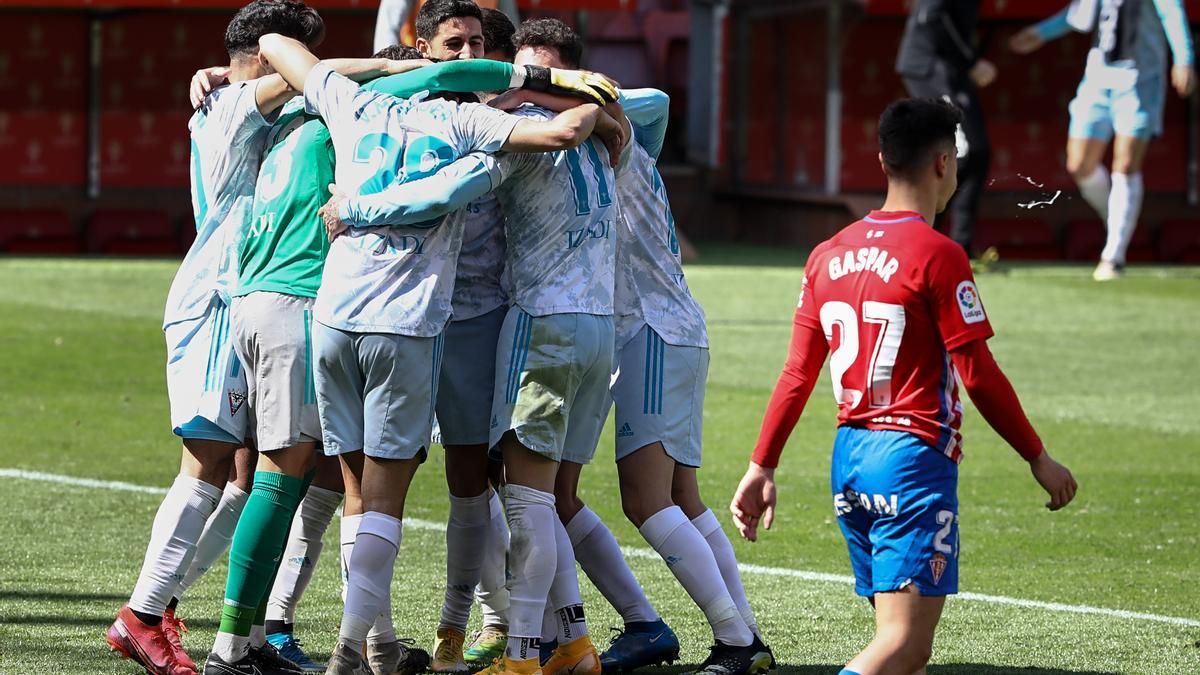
647,554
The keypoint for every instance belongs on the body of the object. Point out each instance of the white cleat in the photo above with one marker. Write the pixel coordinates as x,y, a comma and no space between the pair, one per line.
1107,271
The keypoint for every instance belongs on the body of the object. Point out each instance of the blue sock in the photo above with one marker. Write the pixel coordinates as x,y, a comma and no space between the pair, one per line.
847,671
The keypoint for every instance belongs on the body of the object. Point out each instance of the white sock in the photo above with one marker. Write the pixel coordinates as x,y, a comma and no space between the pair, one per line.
533,560
258,635
690,559
349,532
466,532
564,592
1124,207
231,648
217,534
602,561
492,591
177,527
303,549
370,577
710,529
381,630
549,625
1095,189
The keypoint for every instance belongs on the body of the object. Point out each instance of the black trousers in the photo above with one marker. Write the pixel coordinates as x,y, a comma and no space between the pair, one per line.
957,88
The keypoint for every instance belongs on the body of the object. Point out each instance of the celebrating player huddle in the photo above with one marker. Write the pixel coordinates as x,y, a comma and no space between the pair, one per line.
383,263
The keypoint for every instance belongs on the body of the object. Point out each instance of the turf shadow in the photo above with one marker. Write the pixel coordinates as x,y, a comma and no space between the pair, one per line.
938,669
97,621
52,596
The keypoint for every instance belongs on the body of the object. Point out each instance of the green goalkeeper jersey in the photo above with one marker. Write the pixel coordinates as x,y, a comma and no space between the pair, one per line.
283,246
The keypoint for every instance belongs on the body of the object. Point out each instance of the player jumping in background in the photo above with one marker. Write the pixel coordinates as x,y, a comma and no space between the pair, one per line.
895,304
385,298
1119,99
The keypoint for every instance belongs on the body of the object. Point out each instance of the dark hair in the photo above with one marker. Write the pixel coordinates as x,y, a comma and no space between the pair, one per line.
398,53
912,130
551,34
289,18
498,32
433,13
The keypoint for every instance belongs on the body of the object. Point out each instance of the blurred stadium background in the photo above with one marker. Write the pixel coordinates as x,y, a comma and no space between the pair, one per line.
774,104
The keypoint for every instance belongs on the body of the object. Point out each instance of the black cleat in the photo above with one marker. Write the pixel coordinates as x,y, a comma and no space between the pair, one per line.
723,659
257,661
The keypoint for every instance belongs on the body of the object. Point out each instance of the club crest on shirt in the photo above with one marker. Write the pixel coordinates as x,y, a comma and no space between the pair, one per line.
235,402
937,565
969,303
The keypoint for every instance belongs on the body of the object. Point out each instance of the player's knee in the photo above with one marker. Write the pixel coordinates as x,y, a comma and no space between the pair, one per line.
1125,165
567,505
908,650
1080,168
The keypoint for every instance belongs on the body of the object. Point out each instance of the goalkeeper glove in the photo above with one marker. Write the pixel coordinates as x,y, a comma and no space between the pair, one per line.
576,83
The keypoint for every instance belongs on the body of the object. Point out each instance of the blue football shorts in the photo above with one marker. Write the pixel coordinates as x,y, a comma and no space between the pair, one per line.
896,499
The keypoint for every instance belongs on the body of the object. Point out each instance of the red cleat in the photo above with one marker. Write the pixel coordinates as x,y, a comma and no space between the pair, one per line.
146,645
173,627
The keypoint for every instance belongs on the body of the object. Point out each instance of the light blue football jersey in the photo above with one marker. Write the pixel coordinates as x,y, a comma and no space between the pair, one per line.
650,285
477,288
228,138
560,222
1130,37
397,278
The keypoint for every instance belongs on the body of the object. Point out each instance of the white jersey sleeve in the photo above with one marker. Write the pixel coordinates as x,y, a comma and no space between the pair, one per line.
228,135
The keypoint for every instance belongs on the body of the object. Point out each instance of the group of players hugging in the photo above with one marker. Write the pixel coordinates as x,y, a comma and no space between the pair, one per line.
469,240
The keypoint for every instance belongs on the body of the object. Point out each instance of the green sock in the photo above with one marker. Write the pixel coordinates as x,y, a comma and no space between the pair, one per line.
257,546
260,616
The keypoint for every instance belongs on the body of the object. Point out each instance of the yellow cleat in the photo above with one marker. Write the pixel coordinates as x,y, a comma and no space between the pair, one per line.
577,657
503,664
448,651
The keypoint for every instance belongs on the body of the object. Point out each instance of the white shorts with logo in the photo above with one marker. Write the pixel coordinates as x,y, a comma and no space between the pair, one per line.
551,388
273,337
464,400
375,391
658,391
205,380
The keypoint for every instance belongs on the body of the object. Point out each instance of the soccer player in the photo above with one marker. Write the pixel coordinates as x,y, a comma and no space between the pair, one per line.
205,382
1119,99
553,361
658,388
385,297
658,391
896,304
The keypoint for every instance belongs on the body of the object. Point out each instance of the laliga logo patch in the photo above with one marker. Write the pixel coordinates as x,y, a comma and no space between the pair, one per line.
235,402
968,303
937,565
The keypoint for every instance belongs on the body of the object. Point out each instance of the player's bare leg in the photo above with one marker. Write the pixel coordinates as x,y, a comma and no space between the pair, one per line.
137,632
685,492
466,532
258,543
647,478
376,490
905,622
541,562
1124,205
299,561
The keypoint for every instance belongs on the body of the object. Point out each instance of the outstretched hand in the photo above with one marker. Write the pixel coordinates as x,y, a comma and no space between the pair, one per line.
1183,79
754,501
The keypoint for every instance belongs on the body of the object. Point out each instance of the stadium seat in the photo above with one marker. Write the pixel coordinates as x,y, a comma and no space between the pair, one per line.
131,233
667,36
626,62
1017,239
40,232
1085,240
1179,241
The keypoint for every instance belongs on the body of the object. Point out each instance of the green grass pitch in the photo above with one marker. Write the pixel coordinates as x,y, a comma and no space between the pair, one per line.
1109,373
